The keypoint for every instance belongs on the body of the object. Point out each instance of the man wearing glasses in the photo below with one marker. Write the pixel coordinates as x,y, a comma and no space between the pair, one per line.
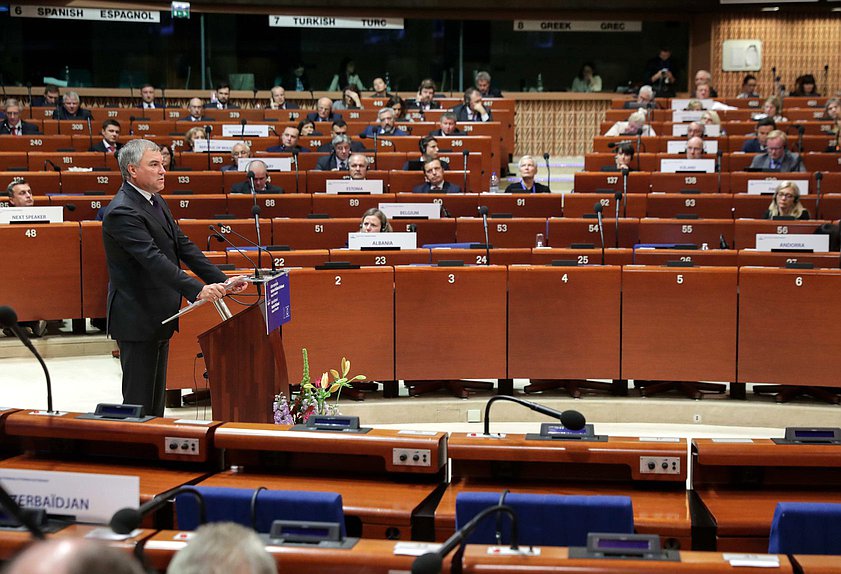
776,156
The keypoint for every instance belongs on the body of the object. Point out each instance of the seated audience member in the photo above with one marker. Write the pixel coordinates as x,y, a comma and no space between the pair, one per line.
262,181
447,126
587,80
223,99
694,148
385,117
193,134
375,221
307,128
695,130
832,110
13,125
239,151
288,142
805,87
623,158
425,99
324,112
645,100
527,184
379,88
473,109
278,101
346,76
195,112
694,105
223,548
168,157
703,92
350,100
776,156
710,117
147,98
748,88
338,159
71,109
434,172
772,108
73,556
398,104
298,79
358,166
835,143
429,150
757,145
49,99
704,77
482,82
786,202
339,128
110,138
633,127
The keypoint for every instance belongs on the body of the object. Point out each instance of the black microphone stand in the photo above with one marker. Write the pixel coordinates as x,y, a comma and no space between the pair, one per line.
19,514
818,180
242,122
483,211
295,159
548,171
131,125
625,173
598,209
208,130
90,133
617,197
255,210
464,155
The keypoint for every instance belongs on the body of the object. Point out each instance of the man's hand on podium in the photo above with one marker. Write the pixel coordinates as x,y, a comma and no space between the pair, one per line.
212,292
236,284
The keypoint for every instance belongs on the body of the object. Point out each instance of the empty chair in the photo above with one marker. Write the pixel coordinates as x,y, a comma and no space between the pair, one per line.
546,519
806,528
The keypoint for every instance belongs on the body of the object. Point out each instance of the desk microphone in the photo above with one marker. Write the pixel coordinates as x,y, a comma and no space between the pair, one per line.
464,155
243,122
617,198
247,240
57,169
216,236
483,211
126,520
255,211
90,133
598,209
29,95
238,250
18,513
431,562
131,125
295,161
548,171
625,173
208,130
163,96
9,320
572,420
818,180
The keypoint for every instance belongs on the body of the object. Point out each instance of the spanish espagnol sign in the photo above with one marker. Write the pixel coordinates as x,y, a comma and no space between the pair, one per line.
77,13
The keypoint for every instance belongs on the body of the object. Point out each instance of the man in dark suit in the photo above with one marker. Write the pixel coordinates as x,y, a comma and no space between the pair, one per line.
49,99
147,98
261,180
386,128
776,156
338,160
288,142
71,109
763,127
483,84
194,112
434,172
13,124
472,110
144,249
110,137
425,100
446,126
324,112
278,100
223,99
339,128
645,100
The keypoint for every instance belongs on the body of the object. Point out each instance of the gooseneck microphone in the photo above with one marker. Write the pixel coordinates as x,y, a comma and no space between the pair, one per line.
238,250
29,96
818,180
247,240
430,563
612,145
598,208
483,211
126,520
573,420
90,133
9,320
625,173
255,211
243,122
19,514
295,161
548,171
617,198
464,155
208,130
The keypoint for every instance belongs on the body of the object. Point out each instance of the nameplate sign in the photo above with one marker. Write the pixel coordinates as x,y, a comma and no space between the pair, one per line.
319,22
203,145
764,186
33,214
411,210
683,103
710,130
272,163
238,131
687,165
362,186
395,240
681,116
577,25
679,146
77,13
817,243
87,497
278,307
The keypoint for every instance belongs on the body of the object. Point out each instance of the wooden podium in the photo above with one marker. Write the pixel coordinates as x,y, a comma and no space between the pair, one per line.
246,368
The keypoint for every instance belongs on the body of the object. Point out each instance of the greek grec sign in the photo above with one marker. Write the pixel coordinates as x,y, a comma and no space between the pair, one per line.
577,26
315,22
76,13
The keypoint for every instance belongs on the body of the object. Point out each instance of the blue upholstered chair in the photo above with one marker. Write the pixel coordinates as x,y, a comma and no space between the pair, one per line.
806,528
547,519
234,505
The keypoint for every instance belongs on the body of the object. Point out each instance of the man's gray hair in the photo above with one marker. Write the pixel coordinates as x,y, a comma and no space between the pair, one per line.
222,548
340,138
646,90
385,110
11,102
131,153
72,96
483,76
256,162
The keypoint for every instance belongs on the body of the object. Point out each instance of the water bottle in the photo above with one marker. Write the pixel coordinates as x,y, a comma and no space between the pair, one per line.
540,82
494,188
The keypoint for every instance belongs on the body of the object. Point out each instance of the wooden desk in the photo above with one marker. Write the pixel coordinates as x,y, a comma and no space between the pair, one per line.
302,258
94,271
190,182
502,232
313,233
13,542
740,484
692,231
450,322
818,564
286,180
347,205
546,255
541,205
602,182
704,205
580,204
564,231
746,230
703,257
546,305
198,231
457,205
694,183
271,205
499,256
748,257
376,257
679,324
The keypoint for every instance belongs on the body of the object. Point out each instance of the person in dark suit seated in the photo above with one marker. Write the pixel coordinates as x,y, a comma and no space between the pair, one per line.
374,221
50,98
472,110
748,88
776,156
786,202
645,100
110,138
358,166
623,158
434,172
694,148
338,160
527,184
262,181
278,100
324,112
195,112
428,146
288,142
757,145
13,125
483,84
447,126
239,151
339,128
147,98
425,100
379,88
71,109
223,99
19,193
386,128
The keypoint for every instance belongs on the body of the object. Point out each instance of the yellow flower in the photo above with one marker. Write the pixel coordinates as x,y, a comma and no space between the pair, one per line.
325,380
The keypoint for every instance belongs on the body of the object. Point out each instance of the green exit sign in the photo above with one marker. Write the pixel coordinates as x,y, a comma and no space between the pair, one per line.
180,9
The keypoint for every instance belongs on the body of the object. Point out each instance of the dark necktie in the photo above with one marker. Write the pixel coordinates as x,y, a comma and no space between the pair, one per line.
342,166
159,210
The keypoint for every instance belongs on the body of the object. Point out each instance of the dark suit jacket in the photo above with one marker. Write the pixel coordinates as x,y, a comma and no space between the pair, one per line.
314,117
752,146
415,105
157,103
635,105
287,105
245,187
518,188
144,260
461,114
369,131
355,147
81,114
284,149
327,163
228,106
100,147
189,118
447,188
40,102
493,92
439,134
803,216
27,128
789,161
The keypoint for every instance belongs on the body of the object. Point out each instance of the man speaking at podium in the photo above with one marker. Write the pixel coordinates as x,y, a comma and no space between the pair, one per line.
144,248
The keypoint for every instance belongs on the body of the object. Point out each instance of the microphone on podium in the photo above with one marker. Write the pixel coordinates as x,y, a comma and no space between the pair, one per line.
9,320
238,250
